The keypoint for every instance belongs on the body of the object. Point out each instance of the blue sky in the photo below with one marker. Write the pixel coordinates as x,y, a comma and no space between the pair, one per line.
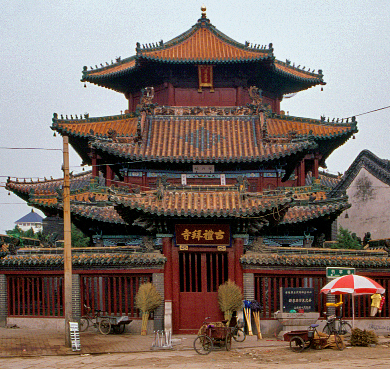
46,44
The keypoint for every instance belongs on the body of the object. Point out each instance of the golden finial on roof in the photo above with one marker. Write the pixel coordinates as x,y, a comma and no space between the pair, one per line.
203,9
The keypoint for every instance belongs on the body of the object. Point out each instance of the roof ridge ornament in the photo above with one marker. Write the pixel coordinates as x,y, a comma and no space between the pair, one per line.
203,9
203,19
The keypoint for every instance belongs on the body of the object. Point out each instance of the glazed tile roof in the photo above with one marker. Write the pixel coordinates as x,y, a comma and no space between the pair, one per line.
124,125
50,186
201,203
91,200
106,213
281,127
326,179
286,68
201,44
316,209
203,139
186,138
253,259
81,260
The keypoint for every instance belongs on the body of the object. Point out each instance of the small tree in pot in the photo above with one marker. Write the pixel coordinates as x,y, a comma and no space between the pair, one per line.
230,299
147,300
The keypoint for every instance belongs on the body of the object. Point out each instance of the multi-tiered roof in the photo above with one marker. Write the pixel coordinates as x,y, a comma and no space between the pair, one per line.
167,140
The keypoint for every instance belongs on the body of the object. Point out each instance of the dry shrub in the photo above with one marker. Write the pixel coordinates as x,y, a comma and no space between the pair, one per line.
363,338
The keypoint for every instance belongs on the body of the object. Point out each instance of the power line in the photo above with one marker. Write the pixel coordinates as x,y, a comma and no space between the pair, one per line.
368,112
28,148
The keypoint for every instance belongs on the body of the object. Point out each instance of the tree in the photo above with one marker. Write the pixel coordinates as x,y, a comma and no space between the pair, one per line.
346,240
18,232
78,238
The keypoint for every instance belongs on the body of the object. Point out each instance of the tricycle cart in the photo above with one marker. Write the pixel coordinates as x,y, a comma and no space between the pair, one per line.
117,323
299,340
213,335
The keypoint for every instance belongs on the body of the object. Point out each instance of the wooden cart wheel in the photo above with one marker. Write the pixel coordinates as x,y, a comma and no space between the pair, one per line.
105,326
84,323
228,342
203,344
239,335
297,344
119,329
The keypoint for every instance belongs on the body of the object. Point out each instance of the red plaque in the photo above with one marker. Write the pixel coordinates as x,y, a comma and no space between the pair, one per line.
203,234
205,73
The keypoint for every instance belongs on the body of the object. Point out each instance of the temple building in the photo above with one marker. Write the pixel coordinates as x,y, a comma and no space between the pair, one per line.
200,177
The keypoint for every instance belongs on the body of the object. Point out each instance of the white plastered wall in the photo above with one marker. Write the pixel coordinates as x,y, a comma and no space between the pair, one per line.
370,210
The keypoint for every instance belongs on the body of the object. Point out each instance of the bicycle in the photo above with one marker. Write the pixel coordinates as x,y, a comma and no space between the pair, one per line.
94,319
336,324
237,331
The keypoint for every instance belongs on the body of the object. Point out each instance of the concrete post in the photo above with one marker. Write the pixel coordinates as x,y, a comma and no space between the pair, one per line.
158,281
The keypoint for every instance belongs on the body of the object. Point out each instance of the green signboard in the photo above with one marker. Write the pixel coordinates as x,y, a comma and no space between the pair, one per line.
334,272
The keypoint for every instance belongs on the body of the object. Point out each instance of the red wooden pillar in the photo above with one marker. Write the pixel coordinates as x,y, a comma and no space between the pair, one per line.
301,180
109,176
168,275
315,166
238,251
95,168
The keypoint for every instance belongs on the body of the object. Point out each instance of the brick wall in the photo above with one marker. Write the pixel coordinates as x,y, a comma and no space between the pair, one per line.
76,308
249,286
3,300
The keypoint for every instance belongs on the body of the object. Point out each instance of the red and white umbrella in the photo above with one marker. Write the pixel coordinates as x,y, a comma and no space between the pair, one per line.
355,285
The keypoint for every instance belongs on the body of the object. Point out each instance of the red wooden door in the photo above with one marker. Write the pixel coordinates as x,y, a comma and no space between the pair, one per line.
200,274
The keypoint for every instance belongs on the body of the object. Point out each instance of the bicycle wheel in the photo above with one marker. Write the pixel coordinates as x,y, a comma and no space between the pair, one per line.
105,326
297,344
345,329
84,323
239,335
203,345
228,342
339,342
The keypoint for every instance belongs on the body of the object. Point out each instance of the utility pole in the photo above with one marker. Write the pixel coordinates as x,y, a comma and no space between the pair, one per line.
67,244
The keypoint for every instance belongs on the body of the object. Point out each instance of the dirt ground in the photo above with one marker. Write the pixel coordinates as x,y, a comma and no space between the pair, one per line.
263,357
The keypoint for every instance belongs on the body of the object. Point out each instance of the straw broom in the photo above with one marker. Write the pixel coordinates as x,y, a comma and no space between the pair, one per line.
229,299
247,313
256,316
256,308
147,300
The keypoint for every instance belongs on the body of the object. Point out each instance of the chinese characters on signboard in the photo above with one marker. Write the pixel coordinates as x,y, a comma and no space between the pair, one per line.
202,234
299,298
335,272
205,74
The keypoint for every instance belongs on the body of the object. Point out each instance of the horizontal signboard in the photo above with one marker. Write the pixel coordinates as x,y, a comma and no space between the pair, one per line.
334,272
202,234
